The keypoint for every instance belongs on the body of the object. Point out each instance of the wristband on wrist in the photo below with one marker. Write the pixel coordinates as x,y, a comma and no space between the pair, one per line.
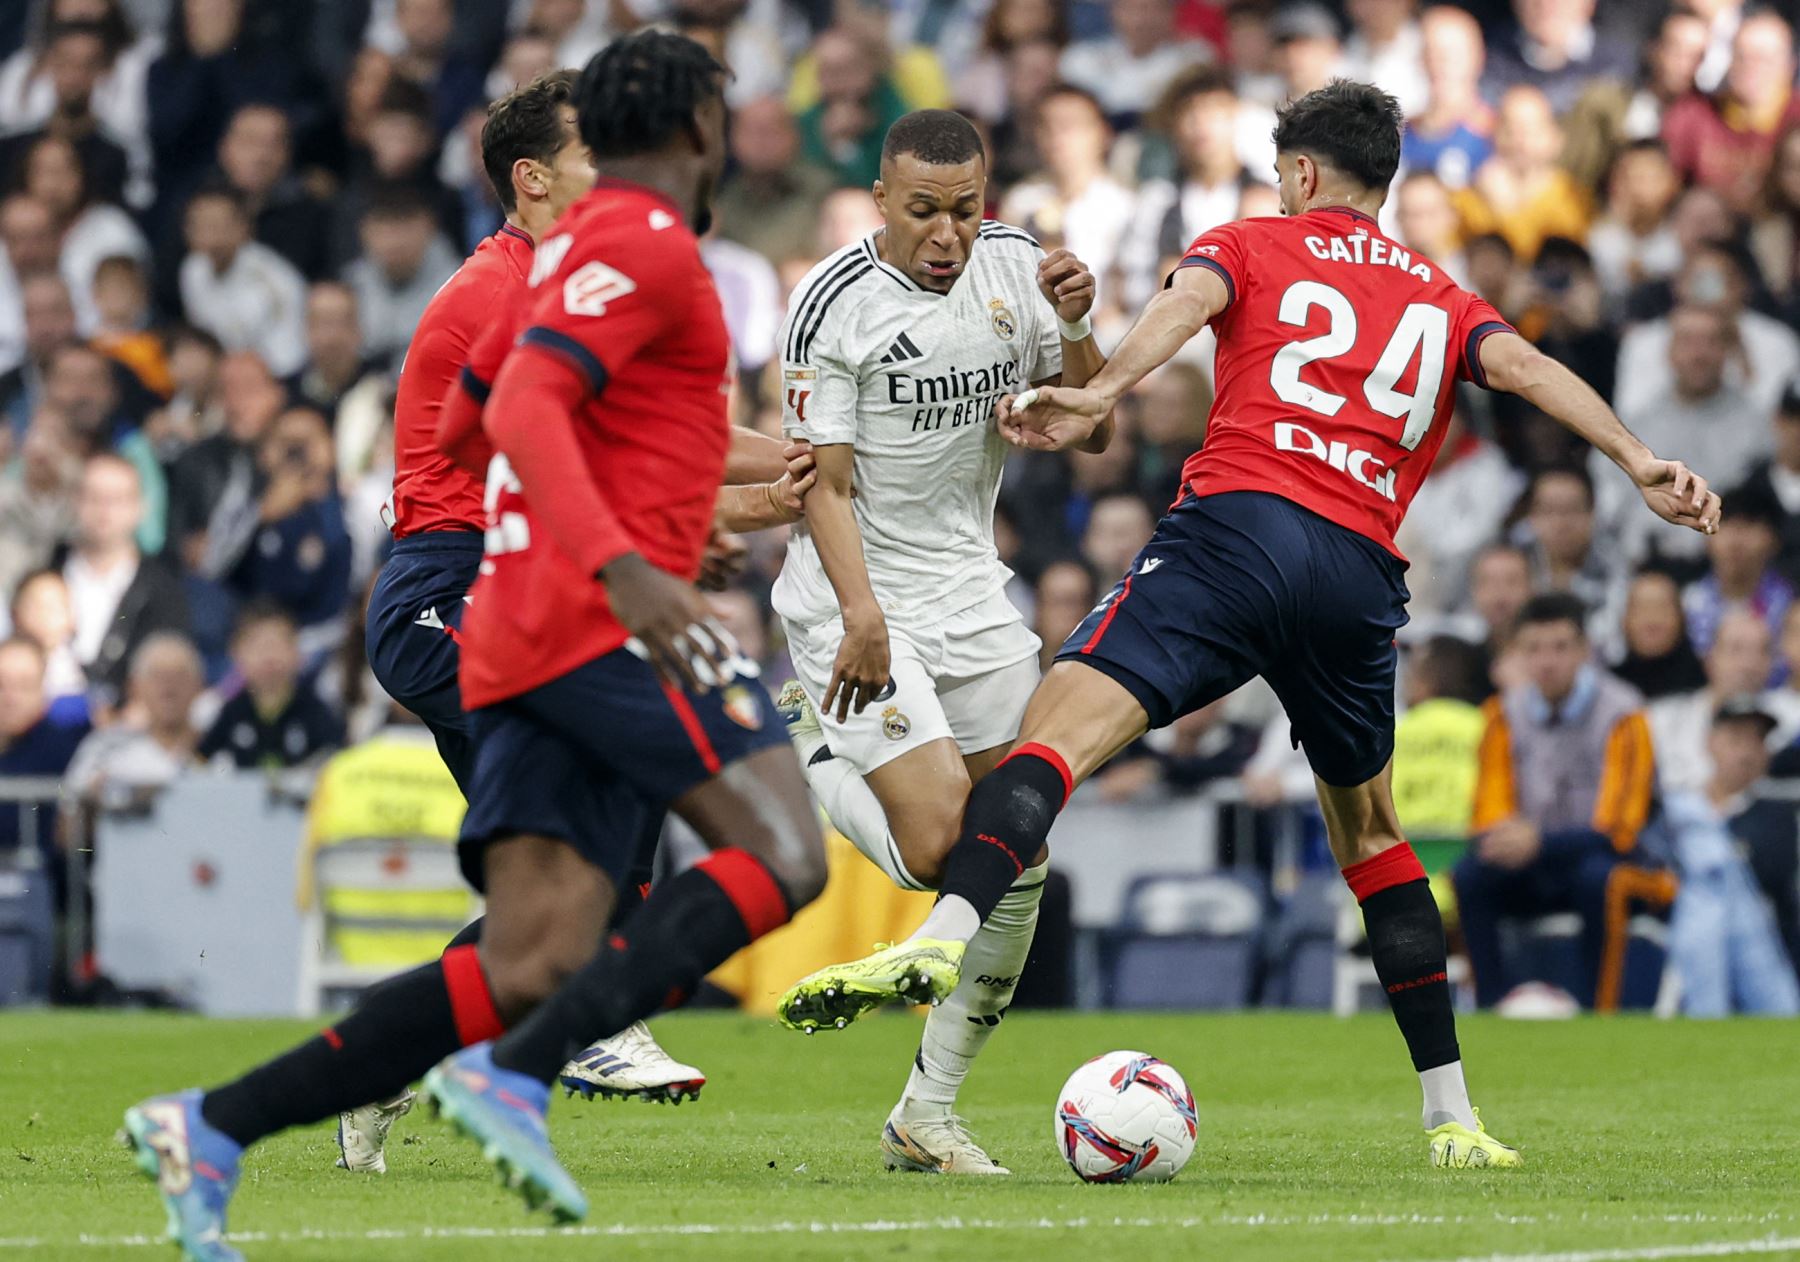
1076,332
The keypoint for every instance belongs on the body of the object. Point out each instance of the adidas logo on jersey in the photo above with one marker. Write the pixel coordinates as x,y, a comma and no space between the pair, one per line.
901,351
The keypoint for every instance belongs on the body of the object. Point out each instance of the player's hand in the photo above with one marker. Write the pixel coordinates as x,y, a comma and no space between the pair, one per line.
1677,494
860,673
1066,284
672,627
789,494
1050,418
724,559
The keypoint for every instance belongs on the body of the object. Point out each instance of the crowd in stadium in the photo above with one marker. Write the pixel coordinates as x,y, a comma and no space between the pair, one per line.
220,221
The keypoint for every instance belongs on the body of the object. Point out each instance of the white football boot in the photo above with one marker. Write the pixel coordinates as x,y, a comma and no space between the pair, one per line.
934,1145
631,1063
362,1134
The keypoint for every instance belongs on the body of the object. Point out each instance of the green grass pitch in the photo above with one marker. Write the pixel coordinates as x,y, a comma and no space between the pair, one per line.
1643,1140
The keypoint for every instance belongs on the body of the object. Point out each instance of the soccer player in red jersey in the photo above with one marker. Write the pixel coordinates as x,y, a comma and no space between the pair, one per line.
602,691
1338,352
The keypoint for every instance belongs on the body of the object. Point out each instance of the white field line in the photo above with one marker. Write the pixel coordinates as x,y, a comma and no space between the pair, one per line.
885,1226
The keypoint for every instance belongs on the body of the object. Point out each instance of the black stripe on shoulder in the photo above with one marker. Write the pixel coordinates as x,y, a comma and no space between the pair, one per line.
580,357
817,319
994,230
805,299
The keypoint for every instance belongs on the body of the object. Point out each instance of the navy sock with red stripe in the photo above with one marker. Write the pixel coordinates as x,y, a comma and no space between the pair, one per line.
688,926
1005,825
1406,942
401,1028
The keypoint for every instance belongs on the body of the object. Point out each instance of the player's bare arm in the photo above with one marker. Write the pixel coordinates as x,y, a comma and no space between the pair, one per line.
754,457
1068,286
1053,418
1673,491
861,668
742,509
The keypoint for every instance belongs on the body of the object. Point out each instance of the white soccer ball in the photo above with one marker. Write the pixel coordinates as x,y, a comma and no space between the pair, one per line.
1125,1117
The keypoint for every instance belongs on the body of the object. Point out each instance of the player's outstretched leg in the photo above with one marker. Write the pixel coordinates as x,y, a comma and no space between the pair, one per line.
1406,942
498,1092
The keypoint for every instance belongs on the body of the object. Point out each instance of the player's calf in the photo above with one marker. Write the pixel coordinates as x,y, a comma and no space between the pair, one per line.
546,906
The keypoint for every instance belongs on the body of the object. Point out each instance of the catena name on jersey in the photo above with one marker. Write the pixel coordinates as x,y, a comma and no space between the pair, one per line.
956,398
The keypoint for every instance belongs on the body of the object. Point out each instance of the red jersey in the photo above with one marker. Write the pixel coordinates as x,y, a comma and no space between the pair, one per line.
1338,357
430,493
609,419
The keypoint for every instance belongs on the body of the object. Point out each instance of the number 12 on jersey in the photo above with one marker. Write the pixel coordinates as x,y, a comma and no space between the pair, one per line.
1423,331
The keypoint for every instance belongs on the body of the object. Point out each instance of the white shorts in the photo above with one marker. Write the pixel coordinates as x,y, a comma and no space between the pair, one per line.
967,677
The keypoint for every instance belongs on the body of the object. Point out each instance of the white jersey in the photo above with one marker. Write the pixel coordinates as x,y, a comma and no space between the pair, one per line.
910,379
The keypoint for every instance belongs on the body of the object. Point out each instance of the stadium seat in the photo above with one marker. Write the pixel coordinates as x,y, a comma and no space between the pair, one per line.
1188,942
27,935
1303,950
382,904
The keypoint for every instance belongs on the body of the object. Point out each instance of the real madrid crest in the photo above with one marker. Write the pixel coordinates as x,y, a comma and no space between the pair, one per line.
895,725
1003,319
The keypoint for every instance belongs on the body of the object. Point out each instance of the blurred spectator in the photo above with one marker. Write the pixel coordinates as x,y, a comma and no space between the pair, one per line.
238,289
1742,575
1030,72
846,215
1738,662
275,721
29,94
213,483
334,351
1553,46
1775,236
1308,52
1565,312
1009,26
750,293
1073,202
1449,134
1387,47
75,56
119,595
1203,111
1499,586
1250,52
1737,855
1520,192
1565,786
1065,592
405,261
49,318
87,230
1611,114
1127,70
43,613
27,246
256,159
1725,140
88,391
193,406
1459,507
1437,738
122,323
858,101
428,56
576,28
1169,408
1632,242
212,63
400,163
1566,554
33,742
527,54
124,766
37,498
745,42
770,199
1117,529
1427,223
297,554
1659,659
1778,480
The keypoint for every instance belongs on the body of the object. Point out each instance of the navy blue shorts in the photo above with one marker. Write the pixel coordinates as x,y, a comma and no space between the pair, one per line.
595,757
414,611
1244,584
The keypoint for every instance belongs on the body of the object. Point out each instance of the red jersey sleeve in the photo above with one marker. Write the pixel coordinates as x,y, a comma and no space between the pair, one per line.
1221,250
588,319
1478,319
459,432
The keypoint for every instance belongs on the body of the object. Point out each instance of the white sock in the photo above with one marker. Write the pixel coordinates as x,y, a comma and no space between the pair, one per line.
856,812
953,918
957,1029
1446,1096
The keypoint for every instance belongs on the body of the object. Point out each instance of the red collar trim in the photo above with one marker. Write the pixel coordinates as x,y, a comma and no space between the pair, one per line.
1342,210
510,230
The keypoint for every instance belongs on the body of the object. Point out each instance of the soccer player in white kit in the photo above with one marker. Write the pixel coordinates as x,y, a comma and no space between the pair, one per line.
914,668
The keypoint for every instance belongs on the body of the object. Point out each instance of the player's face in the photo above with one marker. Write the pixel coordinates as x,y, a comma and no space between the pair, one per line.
932,215
570,174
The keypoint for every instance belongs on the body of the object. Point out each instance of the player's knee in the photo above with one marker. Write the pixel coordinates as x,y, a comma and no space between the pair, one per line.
926,844
794,852
520,981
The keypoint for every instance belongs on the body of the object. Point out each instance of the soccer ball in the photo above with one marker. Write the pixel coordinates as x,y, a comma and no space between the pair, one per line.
1125,1117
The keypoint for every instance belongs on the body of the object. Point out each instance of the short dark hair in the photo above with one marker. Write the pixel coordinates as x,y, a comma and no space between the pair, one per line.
1064,88
1753,502
261,612
639,93
403,96
934,137
1454,668
217,189
1353,127
396,199
525,123
79,30
1575,471
1548,607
